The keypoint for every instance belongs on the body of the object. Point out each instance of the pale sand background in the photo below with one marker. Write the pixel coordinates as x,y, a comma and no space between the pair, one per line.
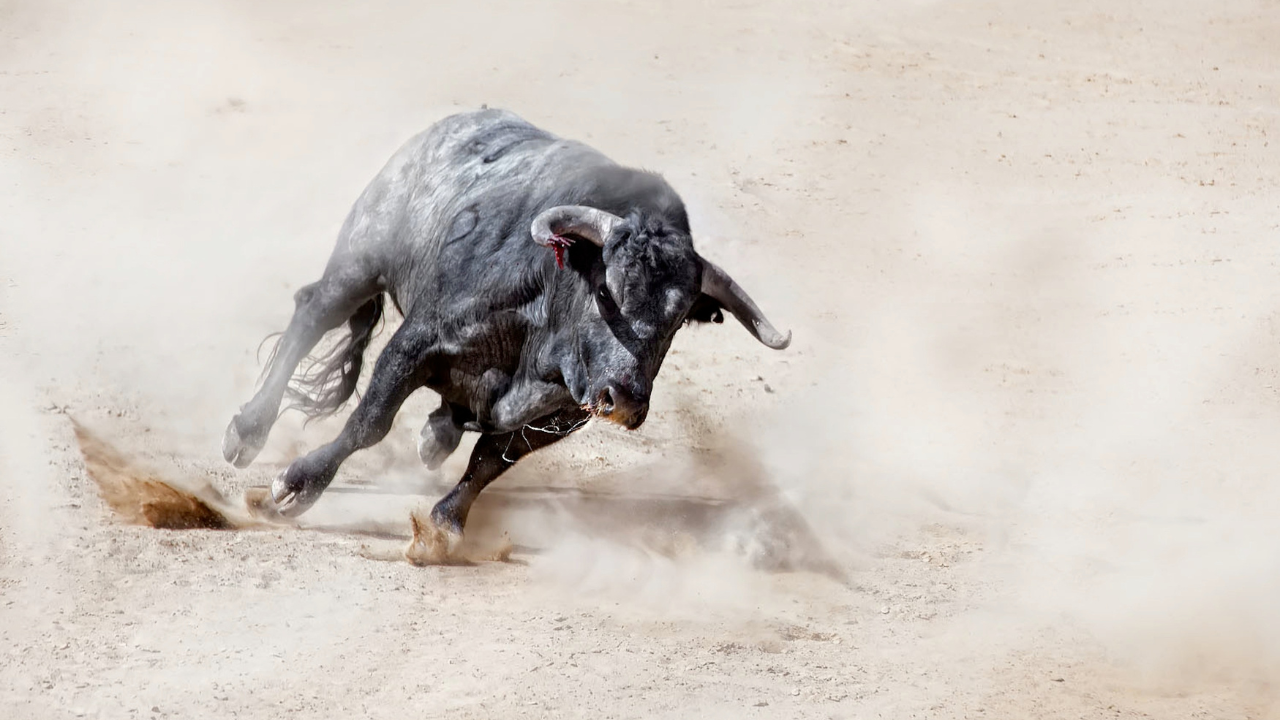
1028,250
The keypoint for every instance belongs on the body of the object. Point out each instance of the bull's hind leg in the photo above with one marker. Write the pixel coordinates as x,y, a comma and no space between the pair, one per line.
398,372
492,456
321,307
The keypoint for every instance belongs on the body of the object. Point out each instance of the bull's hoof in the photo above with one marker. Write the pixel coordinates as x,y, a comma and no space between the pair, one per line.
240,450
439,438
433,543
291,494
432,452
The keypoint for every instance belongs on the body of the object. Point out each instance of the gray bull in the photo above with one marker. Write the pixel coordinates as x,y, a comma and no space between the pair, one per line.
540,283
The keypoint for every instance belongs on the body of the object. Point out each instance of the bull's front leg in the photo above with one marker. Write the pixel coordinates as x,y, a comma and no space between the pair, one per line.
436,538
526,402
501,404
498,407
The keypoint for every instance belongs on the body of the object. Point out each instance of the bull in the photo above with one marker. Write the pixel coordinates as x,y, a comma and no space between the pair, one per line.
540,285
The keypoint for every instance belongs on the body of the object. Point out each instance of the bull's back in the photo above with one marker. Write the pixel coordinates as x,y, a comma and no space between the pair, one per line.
434,171
447,218
456,195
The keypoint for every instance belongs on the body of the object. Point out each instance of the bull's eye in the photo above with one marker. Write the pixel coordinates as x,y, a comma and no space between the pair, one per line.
605,302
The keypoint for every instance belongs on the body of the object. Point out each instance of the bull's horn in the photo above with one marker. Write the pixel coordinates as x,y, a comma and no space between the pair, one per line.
586,222
717,284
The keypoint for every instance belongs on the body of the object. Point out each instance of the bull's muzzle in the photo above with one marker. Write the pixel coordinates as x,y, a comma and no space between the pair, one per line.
620,406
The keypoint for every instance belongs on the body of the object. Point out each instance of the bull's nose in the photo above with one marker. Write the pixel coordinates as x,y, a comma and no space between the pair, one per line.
606,403
622,406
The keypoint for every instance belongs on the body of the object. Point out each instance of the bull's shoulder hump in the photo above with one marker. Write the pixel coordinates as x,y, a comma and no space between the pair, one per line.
462,123
484,134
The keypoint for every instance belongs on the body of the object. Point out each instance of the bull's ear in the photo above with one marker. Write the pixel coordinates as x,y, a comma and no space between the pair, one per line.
705,309
563,226
584,258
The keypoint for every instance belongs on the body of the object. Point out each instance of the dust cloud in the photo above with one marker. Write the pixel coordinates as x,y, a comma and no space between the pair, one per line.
1123,504
1126,504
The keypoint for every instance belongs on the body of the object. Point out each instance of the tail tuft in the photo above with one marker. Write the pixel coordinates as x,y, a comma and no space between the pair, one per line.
327,381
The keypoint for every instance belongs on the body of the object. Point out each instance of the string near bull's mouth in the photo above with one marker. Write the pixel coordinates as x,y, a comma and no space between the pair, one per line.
609,415
594,410
556,428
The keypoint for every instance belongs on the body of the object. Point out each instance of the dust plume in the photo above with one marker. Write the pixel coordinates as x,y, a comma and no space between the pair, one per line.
141,497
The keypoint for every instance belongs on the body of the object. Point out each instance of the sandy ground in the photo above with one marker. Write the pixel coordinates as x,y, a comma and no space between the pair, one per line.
1028,251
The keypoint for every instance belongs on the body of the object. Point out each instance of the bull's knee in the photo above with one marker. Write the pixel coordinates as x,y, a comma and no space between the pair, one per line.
439,438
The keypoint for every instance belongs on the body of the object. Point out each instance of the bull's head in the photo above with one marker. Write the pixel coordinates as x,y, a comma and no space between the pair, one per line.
646,281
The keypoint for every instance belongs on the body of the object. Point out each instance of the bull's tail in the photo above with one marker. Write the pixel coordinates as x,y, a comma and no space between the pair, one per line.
327,380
